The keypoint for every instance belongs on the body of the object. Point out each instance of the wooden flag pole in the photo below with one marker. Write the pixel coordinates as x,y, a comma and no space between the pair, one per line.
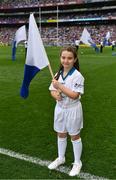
50,69
51,72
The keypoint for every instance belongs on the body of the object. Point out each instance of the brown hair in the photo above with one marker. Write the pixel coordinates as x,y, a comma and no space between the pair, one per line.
76,64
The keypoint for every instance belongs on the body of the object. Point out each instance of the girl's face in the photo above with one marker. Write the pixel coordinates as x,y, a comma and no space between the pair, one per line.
67,59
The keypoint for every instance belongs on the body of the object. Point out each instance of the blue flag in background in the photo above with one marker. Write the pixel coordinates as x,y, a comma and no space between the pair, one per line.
95,47
14,50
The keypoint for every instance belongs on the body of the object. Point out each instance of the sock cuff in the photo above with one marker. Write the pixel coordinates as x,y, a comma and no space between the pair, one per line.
76,141
62,139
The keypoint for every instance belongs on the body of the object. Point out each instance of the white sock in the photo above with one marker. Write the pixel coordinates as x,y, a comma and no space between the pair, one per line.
62,143
77,149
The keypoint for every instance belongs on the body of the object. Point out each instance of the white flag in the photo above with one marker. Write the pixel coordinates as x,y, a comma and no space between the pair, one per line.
20,35
36,58
36,54
86,37
106,38
108,35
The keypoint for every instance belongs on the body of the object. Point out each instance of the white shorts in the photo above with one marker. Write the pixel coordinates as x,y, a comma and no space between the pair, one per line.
68,119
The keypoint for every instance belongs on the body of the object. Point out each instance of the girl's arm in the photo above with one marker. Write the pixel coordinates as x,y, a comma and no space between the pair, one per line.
68,92
56,95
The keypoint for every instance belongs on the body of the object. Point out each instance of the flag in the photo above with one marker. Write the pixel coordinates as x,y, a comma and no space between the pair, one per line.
108,35
36,58
20,35
86,39
106,39
14,50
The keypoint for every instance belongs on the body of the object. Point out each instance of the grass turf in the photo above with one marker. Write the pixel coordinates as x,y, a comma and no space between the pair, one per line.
26,126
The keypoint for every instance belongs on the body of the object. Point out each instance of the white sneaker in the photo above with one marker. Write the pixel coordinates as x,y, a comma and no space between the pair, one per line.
56,163
75,169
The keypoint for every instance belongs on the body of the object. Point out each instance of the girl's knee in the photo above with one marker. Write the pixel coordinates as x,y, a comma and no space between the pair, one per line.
62,135
75,137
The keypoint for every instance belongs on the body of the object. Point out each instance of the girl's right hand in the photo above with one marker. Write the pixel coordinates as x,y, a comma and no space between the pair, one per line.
58,96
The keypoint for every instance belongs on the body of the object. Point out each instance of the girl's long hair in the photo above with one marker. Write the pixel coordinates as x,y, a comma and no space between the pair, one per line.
76,64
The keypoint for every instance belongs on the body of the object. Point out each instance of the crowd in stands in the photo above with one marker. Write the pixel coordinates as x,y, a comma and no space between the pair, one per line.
45,2
81,15
18,19
18,3
6,35
66,34
33,3
13,20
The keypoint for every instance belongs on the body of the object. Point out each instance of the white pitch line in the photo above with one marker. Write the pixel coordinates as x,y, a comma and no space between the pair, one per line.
40,162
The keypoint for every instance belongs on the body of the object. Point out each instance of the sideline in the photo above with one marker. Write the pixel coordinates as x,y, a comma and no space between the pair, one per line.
40,162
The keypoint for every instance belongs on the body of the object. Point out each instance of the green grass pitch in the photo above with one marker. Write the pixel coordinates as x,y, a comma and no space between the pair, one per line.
26,126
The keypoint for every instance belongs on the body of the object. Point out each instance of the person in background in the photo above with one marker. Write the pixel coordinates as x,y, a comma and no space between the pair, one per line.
113,45
77,42
101,46
25,44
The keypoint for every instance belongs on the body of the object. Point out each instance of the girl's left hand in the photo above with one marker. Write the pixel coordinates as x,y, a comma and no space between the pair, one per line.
55,83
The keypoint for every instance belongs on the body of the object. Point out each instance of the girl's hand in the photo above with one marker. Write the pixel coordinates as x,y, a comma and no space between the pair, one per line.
58,96
55,83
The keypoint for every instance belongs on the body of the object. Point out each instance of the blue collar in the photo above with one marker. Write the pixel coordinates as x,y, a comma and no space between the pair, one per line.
69,73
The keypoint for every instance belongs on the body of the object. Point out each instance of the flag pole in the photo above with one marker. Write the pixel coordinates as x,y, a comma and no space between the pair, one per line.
51,72
50,69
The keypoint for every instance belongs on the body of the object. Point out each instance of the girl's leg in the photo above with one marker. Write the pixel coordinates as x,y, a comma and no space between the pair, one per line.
62,143
77,149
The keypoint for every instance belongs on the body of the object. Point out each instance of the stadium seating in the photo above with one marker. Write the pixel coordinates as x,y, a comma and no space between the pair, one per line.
71,22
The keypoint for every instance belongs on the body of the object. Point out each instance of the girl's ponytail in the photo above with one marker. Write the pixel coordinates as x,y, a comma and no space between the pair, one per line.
59,72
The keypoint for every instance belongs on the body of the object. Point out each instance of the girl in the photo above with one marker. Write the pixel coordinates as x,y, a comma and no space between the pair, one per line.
66,88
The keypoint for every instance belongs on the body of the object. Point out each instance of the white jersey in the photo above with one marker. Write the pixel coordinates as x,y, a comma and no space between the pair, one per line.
113,43
74,81
101,43
68,116
25,43
77,42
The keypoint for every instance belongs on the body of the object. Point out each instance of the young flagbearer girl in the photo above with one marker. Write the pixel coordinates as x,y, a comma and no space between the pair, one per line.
66,88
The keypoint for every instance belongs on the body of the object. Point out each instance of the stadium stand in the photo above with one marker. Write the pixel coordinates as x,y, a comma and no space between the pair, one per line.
61,21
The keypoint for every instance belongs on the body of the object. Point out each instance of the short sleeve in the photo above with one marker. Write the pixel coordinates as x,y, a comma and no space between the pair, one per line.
78,85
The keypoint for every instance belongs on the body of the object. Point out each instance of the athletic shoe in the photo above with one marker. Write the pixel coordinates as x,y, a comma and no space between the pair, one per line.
75,169
56,163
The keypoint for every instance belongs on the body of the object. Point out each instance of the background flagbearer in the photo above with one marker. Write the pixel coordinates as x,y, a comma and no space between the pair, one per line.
77,42
101,46
25,44
113,45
